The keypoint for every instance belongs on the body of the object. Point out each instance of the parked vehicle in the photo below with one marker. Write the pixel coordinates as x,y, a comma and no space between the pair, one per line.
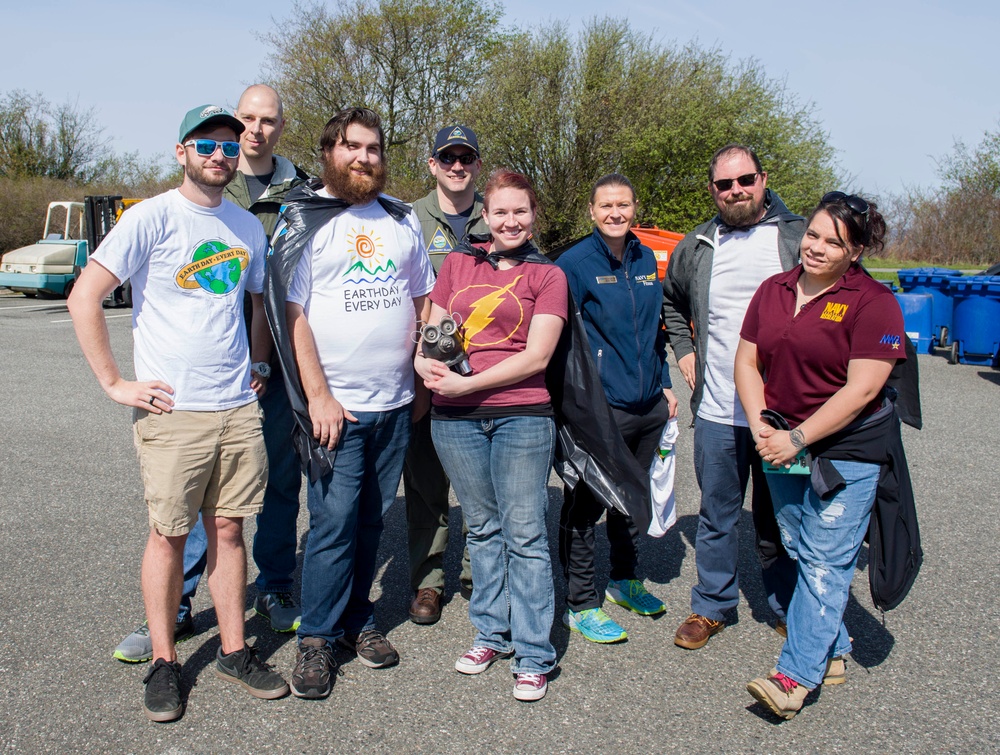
48,267
73,230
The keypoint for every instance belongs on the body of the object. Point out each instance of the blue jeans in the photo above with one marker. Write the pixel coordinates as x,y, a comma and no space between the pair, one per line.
346,508
724,459
275,544
825,538
499,469
195,560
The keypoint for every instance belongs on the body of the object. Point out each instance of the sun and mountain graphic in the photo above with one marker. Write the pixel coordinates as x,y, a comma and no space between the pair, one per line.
369,263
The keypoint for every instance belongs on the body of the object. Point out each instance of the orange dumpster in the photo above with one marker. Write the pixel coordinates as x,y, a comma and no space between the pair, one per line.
661,242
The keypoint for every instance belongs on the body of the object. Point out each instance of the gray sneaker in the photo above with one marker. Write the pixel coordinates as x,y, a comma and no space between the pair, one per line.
281,609
138,647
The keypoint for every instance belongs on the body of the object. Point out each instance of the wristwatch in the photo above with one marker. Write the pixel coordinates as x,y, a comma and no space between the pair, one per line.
261,368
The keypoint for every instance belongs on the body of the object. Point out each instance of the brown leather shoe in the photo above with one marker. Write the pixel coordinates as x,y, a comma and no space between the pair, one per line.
426,606
696,630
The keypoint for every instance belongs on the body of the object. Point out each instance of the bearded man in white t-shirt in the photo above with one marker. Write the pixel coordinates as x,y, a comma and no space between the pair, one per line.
356,282
190,256
713,273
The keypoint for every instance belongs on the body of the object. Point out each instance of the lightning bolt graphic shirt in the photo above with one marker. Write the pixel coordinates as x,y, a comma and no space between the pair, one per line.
189,266
495,308
356,282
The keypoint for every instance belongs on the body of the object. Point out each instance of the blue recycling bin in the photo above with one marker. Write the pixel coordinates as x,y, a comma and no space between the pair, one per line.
918,320
935,281
976,320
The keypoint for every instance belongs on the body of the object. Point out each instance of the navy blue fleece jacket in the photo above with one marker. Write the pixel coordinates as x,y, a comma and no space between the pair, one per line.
621,304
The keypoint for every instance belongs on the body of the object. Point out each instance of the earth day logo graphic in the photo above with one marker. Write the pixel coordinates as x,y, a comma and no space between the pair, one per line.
215,268
369,263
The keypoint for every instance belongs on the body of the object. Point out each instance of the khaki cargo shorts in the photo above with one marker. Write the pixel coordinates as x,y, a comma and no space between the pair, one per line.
213,462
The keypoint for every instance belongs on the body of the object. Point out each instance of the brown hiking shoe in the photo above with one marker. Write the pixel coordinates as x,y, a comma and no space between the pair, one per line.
696,630
315,669
372,648
779,694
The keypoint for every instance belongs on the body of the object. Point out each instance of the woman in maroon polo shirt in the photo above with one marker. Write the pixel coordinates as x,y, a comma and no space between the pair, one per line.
817,345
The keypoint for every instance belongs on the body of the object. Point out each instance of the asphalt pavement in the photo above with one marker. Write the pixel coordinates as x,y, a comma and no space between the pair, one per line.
73,526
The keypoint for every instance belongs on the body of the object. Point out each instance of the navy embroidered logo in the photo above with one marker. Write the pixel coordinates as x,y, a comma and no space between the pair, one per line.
833,311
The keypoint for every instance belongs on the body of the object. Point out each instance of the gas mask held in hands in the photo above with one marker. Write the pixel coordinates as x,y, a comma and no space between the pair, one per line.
443,343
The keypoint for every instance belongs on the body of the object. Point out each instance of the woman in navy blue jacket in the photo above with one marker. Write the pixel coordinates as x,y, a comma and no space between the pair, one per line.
614,281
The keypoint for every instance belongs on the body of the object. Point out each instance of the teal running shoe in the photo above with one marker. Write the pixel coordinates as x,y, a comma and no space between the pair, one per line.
594,625
630,594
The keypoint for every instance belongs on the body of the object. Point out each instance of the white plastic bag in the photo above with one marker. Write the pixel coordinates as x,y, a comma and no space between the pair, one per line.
661,482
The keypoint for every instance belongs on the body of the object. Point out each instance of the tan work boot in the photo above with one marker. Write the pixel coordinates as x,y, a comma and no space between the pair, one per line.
781,695
836,671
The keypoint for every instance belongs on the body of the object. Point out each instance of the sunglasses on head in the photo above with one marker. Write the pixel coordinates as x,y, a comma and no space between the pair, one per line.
746,181
447,158
853,201
207,147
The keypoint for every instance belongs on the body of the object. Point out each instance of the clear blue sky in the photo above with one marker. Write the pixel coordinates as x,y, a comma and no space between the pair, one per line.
894,83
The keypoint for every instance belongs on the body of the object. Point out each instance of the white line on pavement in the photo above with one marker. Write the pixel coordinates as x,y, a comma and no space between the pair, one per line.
106,317
35,306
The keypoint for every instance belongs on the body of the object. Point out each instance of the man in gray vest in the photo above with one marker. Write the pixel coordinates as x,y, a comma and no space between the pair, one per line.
713,273
447,215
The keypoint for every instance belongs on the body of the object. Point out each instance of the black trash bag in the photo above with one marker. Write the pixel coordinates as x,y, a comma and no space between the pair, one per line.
590,449
894,551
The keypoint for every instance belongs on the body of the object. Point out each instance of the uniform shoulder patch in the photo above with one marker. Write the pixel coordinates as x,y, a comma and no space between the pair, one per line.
439,242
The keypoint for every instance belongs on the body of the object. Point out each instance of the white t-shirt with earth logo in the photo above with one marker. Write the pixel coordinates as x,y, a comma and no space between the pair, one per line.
189,266
356,281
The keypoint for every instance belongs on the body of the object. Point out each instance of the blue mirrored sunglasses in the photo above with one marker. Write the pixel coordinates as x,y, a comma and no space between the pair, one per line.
207,147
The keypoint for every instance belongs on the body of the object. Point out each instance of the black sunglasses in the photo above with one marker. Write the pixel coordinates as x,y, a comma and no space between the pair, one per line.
746,181
853,201
207,147
447,158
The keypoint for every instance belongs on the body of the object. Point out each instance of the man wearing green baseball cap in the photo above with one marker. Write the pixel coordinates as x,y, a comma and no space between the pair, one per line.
196,421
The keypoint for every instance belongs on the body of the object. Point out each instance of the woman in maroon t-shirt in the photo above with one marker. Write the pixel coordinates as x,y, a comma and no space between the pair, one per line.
817,345
494,431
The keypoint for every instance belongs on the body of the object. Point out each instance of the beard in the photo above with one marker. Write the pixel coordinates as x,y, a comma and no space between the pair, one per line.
344,184
198,175
743,213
